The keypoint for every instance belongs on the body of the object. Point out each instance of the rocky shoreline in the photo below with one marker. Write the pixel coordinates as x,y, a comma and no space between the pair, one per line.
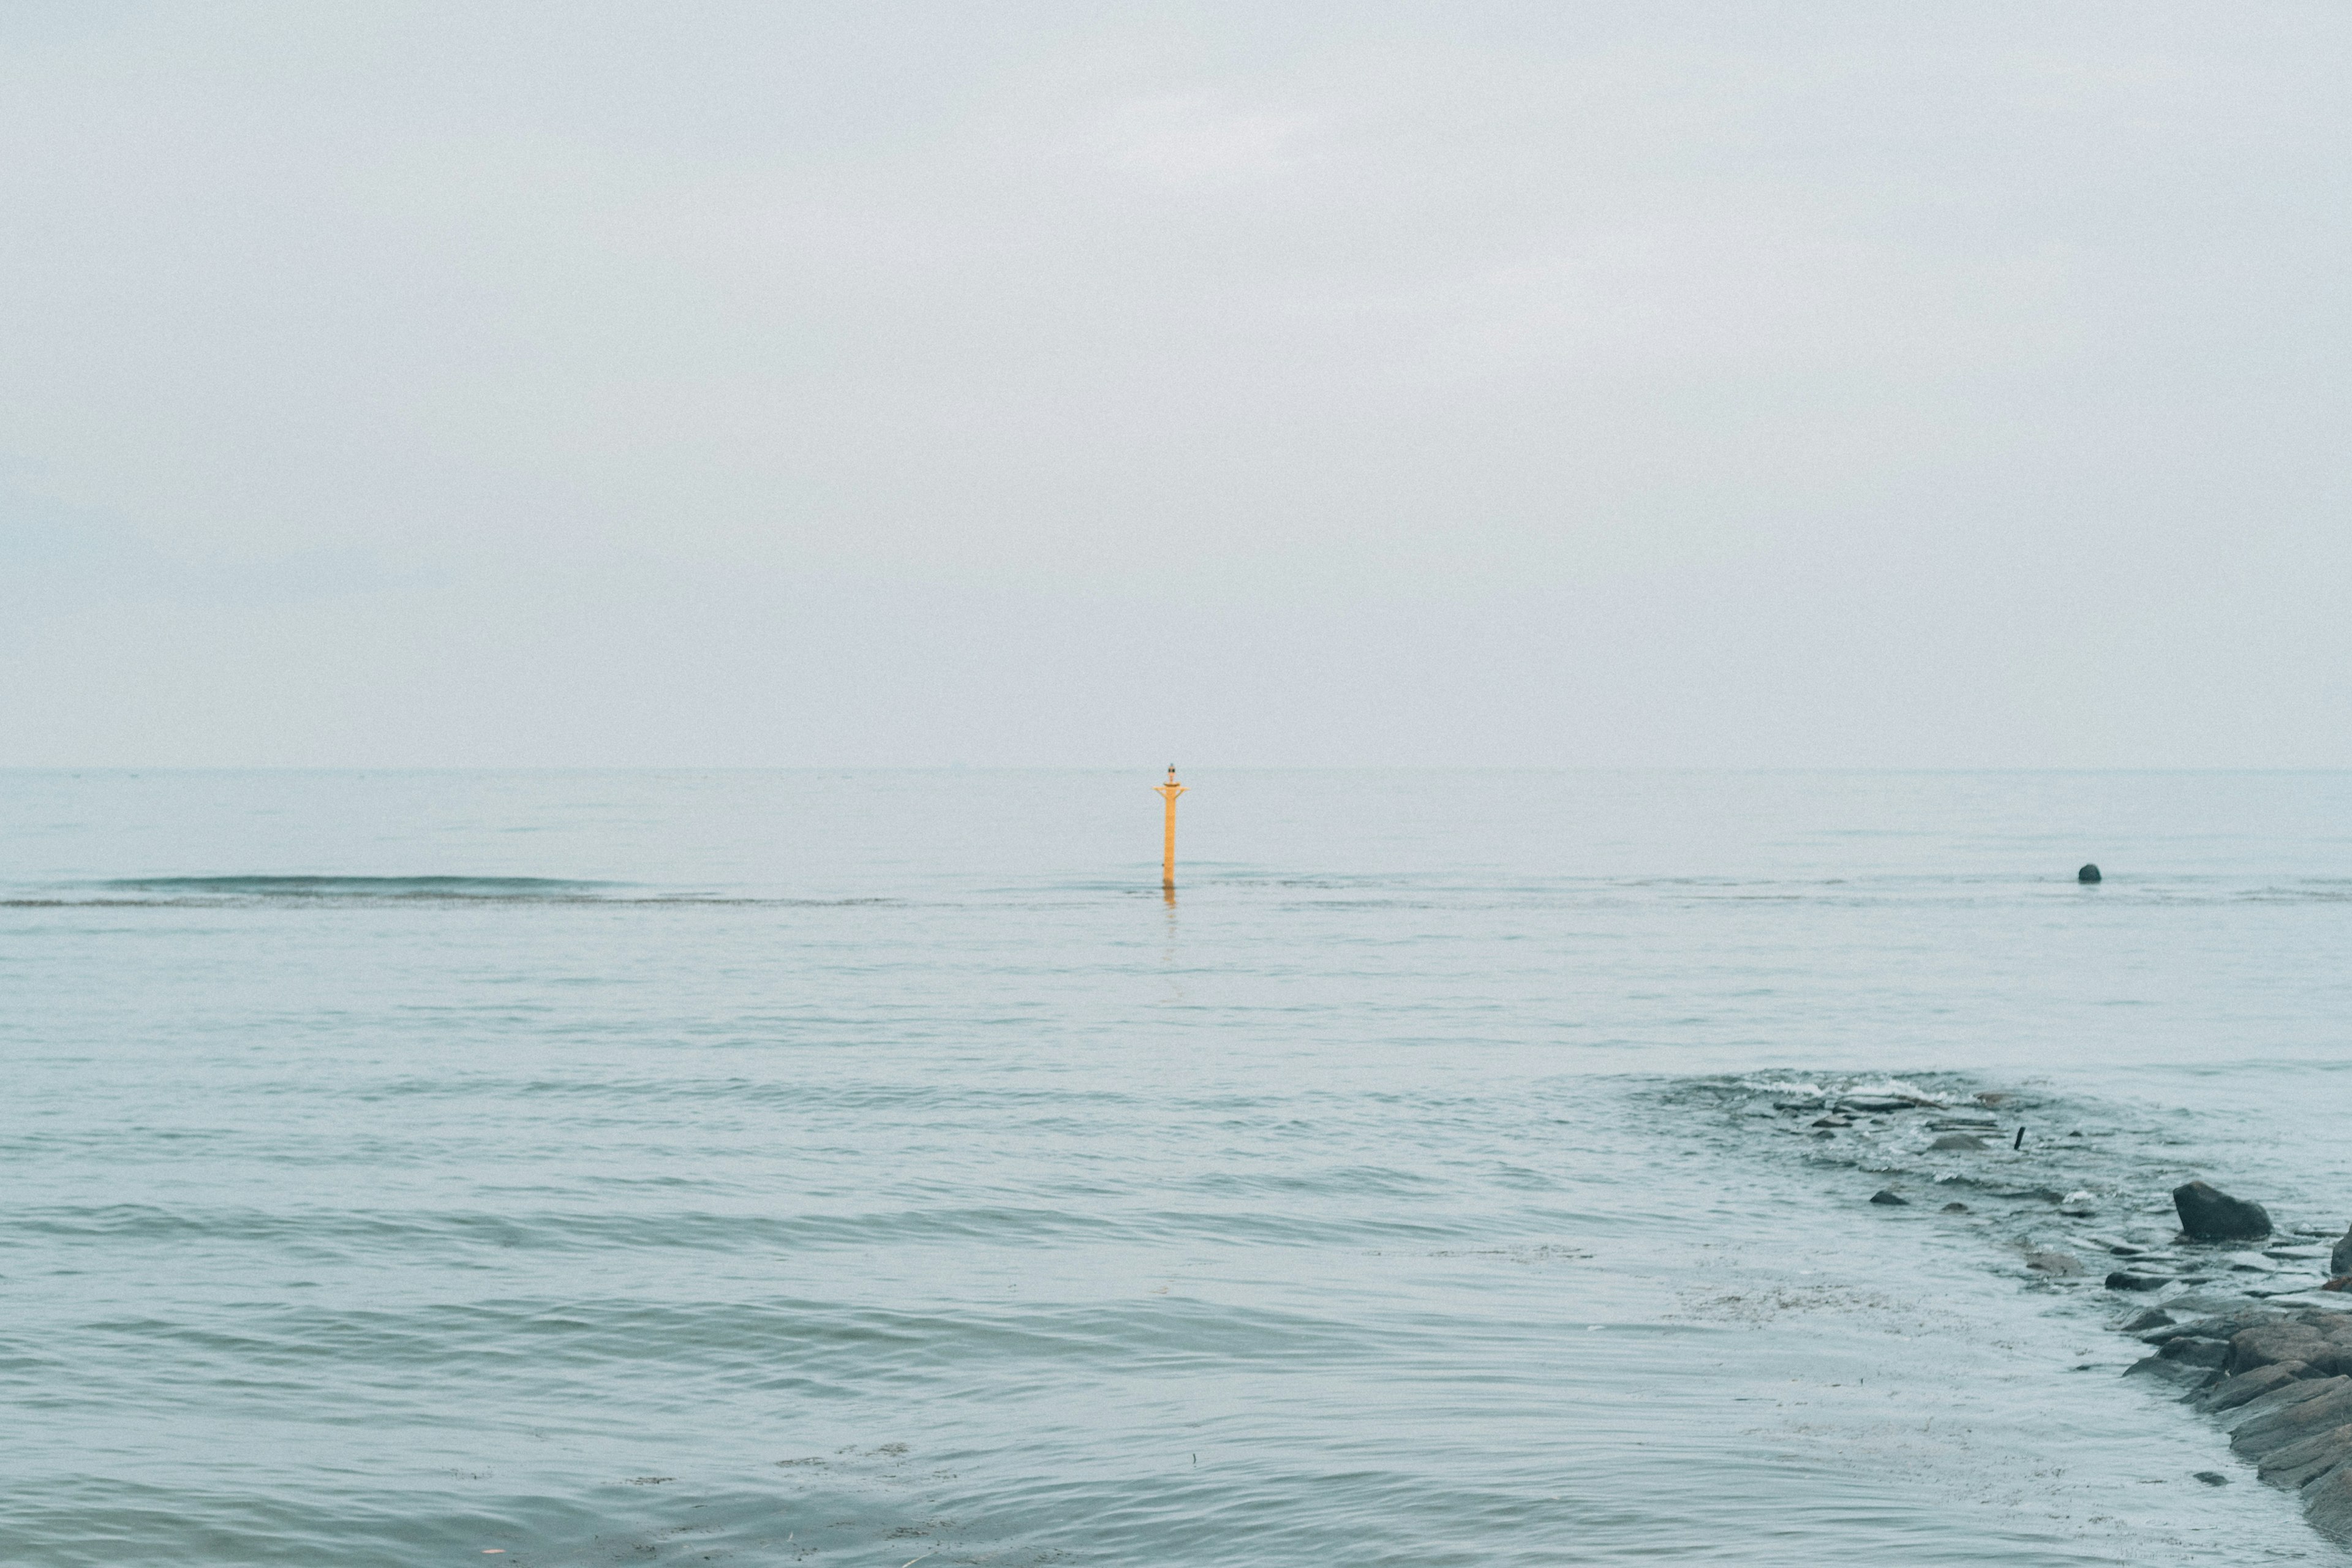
2249,1322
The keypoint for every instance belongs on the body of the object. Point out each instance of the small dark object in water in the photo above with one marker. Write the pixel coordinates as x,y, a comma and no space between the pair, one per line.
2209,1214
2149,1318
2212,1478
1888,1196
2087,874
1955,1208
1957,1141
2120,1280
2021,1138
2341,1282
2339,1261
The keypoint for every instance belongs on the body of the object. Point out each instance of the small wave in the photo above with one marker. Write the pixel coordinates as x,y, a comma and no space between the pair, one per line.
249,886
182,892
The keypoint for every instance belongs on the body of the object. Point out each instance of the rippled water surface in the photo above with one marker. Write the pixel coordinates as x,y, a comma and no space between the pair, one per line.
866,1168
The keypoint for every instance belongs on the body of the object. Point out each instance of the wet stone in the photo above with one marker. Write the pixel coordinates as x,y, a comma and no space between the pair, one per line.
2307,1458
2279,1398
2274,1429
2212,1478
2209,1214
2230,1393
1955,1208
2120,1281
1959,1140
2327,1503
2057,1264
1889,1196
2283,1341
2148,1317
2178,1373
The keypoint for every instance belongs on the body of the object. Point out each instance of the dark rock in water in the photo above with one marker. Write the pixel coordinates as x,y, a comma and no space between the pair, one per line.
1833,1119
2339,1261
1826,1133
1888,1196
2058,1265
1880,1103
2212,1478
2120,1280
1955,1208
2087,874
2230,1393
1957,1141
2197,1352
2209,1214
2149,1318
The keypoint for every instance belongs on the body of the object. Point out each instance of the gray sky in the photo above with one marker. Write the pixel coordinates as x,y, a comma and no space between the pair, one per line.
1936,385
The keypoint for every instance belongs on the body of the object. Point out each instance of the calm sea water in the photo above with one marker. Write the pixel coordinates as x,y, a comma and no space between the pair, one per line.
871,1167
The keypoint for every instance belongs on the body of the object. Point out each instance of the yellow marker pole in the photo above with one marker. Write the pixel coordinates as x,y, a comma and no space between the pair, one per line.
1168,791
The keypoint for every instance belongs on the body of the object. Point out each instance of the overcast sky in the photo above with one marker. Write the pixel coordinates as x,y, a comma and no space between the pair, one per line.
1883,385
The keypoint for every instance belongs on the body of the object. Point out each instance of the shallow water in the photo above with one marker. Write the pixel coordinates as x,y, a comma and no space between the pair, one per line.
845,1167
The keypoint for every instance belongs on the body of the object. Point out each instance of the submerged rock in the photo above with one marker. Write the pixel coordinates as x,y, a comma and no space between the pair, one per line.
1959,1140
2058,1265
1955,1208
1888,1196
2120,1281
2339,1261
2209,1214
2089,873
2212,1478
2148,1317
